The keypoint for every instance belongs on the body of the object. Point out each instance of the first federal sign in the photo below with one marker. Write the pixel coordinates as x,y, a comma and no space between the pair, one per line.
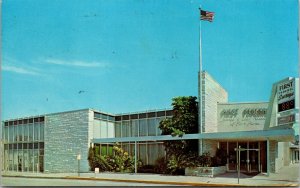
286,95
286,91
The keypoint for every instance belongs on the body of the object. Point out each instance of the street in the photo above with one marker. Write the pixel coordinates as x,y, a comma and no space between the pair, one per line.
16,181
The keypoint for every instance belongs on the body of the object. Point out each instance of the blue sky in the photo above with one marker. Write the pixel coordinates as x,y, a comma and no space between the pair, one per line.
135,55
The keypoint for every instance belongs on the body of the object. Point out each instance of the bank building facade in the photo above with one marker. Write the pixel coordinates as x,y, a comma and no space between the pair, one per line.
268,133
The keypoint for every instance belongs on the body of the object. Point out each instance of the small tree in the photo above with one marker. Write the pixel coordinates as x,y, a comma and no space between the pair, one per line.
184,121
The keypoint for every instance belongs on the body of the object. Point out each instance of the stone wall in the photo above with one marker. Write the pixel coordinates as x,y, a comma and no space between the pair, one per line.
210,146
67,135
273,156
205,171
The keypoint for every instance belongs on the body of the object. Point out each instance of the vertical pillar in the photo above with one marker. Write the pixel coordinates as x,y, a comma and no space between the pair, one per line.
227,152
236,161
135,157
268,157
259,169
248,160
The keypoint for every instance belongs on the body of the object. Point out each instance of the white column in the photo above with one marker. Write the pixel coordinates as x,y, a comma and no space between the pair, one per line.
268,157
135,157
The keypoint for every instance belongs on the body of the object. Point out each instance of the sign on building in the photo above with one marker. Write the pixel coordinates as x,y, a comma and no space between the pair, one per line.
286,95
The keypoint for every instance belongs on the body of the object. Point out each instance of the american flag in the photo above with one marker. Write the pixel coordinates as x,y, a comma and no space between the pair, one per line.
205,15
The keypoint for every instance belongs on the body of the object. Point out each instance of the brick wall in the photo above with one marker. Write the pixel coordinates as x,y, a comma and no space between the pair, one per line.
66,135
273,155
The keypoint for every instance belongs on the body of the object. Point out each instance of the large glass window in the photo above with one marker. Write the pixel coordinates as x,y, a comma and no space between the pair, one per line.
11,158
143,153
135,127
15,159
16,133
6,133
31,132
36,131
36,160
151,127
42,131
6,157
126,132
20,159
158,120
30,159
152,151
25,160
11,133
25,129
20,132
143,127
118,129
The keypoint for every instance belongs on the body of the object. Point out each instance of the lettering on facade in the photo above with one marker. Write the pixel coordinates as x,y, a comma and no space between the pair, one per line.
243,117
256,112
229,113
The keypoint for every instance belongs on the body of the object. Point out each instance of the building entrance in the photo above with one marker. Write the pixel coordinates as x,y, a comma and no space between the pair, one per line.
252,160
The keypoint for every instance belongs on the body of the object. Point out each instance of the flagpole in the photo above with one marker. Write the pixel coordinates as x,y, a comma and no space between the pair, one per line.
200,85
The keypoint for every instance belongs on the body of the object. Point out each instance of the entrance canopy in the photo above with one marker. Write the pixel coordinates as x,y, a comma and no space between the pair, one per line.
283,135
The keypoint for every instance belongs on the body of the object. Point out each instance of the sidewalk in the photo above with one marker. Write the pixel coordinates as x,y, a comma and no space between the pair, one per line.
287,176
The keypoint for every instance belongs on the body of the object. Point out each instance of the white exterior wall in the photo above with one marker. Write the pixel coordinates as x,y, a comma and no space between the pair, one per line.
213,93
234,117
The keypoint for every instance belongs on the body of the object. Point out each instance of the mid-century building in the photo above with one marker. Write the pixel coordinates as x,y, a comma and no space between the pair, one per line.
266,132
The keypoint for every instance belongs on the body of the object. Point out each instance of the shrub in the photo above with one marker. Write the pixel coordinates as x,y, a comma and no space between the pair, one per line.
119,162
160,165
146,169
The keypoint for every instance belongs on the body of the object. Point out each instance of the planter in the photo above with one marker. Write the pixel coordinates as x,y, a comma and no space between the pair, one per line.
205,171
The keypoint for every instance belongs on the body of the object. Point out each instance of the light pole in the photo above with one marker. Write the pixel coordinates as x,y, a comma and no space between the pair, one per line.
78,159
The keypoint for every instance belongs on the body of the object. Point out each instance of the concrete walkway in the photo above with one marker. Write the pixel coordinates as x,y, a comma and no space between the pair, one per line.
287,176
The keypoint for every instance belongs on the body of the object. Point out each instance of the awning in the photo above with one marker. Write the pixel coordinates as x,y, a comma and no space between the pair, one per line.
283,135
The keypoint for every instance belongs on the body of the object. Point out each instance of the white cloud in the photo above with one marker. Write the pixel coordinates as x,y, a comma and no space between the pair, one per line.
19,70
77,63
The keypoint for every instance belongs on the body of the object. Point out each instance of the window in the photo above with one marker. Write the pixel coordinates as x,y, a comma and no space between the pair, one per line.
151,114
42,131
151,127
118,118
16,133
142,127
20,132
134,116
125,117
169,113
118,129
143,115
6,133
11,133
111,118
25,129
135,127
161,113
126,129
30,132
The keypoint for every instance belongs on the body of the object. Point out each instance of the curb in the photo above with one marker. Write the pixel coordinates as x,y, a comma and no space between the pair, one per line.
156,181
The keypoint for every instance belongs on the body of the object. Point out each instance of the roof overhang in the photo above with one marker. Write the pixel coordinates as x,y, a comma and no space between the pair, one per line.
283,135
